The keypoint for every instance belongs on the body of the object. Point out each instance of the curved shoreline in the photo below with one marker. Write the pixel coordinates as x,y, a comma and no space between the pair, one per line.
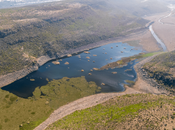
12,77
96,99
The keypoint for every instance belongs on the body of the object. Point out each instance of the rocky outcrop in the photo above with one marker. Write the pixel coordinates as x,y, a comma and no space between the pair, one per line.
11,77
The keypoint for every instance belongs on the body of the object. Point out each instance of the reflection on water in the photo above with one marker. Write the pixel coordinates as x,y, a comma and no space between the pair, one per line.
97,58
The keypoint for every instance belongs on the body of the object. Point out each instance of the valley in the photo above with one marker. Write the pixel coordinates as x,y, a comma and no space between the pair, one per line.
76,64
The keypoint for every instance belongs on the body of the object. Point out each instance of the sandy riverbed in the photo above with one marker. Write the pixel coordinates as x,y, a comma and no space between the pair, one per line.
165,31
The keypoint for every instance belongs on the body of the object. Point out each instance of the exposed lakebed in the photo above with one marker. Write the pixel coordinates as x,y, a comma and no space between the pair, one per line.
97,58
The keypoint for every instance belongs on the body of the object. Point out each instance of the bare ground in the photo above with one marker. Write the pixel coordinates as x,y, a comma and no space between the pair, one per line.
166,31
144,83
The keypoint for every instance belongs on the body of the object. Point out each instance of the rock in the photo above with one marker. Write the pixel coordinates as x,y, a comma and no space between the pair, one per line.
82,70
86,52
79,56
56,62
69,55
66,63
114,72
88,57
103,84
32,79
95,68
94,55
90,74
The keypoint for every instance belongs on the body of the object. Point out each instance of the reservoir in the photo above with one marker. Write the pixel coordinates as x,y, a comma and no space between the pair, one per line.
96,58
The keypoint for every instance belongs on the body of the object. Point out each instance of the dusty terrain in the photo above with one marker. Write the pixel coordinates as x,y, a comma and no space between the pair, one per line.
144,83
165,31
146,41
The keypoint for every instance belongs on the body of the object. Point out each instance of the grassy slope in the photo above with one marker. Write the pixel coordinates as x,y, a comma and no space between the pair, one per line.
27,33
31,112
120,113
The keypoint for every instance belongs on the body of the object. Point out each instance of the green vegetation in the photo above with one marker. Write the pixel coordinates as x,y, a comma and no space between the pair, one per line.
125,60
114,113
27,33
130,82
25,114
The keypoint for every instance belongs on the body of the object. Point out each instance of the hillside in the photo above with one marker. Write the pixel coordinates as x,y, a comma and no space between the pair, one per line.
51,29
128,112
162,69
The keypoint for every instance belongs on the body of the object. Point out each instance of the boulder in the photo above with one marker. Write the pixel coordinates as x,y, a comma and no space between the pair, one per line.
66,63
69,55
86,52
103,84
56,62
95,68
32,79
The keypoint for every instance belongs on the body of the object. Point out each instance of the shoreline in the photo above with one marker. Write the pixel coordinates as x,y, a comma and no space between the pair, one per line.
144,83
93,100
12,77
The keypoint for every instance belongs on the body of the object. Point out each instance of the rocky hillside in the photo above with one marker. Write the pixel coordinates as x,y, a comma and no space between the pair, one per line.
26,33
162,69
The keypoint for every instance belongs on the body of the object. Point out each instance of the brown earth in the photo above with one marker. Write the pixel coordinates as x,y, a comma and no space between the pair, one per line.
144,83
166,31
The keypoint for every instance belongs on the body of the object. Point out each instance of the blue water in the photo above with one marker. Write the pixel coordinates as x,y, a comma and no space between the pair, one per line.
113,82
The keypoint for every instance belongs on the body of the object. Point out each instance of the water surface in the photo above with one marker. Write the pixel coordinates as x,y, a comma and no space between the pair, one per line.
105,54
